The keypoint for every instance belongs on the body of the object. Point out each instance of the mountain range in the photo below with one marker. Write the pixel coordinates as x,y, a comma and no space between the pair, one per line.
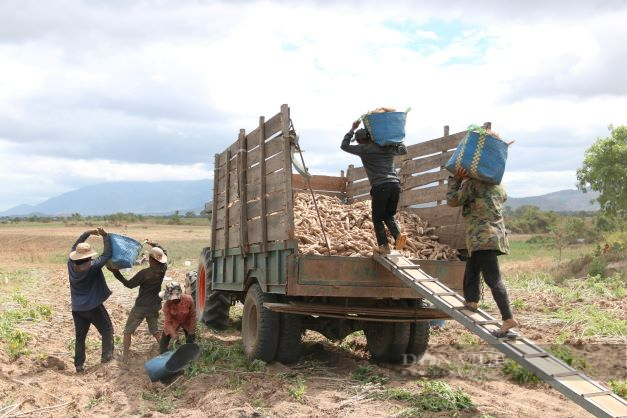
164,198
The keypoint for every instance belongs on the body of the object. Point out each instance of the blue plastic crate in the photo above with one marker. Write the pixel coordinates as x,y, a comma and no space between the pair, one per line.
481,155
386,128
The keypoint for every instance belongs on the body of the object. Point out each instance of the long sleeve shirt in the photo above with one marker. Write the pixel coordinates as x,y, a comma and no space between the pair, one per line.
177,315
378,161
88,287
149,281
482,209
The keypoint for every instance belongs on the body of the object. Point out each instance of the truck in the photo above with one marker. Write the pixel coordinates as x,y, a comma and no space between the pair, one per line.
254,257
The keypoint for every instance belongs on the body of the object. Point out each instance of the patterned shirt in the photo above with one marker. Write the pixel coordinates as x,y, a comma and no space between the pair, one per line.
482,209
176,315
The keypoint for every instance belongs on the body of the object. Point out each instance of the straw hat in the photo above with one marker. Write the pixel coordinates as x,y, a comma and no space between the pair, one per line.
158,254
83,250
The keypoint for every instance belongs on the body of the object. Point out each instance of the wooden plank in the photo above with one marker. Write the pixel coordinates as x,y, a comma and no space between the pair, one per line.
219,216
275,163
355,174
275,202
214,209
252,139
444,143
271,147
452,235
221,159
424,179
254,193
219,241
438,215
357,188
326,183
262,235
276,224
234,236
243,207
271,165
273,126
235,213
426,164
227,192
424,195
287,173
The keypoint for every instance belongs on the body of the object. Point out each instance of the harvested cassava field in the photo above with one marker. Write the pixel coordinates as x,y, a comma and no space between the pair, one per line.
460,375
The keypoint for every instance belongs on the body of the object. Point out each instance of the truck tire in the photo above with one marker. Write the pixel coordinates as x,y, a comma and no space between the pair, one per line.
260,326
418,340
290,333
386,341
216,313
203,281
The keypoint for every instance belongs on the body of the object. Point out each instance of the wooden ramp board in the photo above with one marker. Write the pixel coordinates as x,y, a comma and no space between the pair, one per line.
590,395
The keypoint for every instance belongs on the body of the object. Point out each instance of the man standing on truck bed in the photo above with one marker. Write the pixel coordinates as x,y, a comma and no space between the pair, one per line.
148,303
385,184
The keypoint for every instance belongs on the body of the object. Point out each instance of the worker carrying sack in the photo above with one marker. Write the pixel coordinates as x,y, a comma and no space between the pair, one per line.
386,126
482,153
124,251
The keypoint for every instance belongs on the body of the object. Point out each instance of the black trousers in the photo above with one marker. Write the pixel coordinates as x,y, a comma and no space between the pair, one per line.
486,262
384,202
99,317
164,342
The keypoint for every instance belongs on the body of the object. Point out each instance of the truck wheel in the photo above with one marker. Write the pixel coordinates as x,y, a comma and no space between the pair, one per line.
387,342
260,326
418,340
289,348
216,313
203,278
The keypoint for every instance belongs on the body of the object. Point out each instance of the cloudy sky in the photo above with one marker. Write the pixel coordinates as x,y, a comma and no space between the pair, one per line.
95,91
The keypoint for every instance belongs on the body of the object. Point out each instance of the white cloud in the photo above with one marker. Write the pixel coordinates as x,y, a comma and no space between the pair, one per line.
144,86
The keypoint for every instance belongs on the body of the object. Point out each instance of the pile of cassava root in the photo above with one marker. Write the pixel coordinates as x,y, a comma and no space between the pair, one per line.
350,231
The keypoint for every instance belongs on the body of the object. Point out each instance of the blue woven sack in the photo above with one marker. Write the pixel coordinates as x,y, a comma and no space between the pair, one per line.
387,128
481,155
124,251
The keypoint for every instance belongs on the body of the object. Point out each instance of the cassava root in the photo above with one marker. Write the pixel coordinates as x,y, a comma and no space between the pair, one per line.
351,232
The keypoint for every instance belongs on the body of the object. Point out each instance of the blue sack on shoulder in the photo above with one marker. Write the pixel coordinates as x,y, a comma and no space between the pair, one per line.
482,155
124,250
387,128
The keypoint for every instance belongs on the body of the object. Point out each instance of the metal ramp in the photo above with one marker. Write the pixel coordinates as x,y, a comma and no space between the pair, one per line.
592,396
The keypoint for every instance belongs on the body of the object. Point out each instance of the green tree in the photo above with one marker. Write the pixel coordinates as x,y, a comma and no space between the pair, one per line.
604,170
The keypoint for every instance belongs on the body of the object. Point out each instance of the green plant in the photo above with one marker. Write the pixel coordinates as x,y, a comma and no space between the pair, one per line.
437,395
518,304
517,373
597,266
619,387
297,390
366,374
14,339
163,399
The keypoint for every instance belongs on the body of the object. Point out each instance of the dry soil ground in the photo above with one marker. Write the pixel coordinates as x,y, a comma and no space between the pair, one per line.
332,379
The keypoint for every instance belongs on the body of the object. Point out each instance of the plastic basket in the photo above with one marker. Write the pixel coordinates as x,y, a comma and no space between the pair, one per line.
481,155
386,128
124,251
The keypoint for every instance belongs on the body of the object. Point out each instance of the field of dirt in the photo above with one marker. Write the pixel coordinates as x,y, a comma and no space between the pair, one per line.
325,383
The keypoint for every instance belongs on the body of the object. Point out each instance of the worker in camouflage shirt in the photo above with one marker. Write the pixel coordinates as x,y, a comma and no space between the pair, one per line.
482,209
